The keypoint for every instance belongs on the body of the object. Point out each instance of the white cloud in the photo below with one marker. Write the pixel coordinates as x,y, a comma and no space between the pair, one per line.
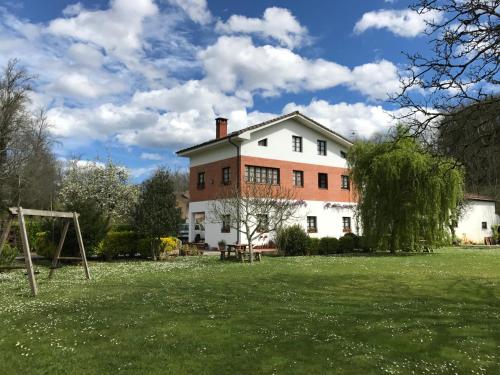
270,70
197,10
357,119
80,85
406,23
276,23
86,55
151,156
376,80
117,29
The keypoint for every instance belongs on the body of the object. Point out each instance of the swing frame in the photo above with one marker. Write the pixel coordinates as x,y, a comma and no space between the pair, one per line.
67,217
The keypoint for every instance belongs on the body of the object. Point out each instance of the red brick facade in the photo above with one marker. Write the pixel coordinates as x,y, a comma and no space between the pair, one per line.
310,191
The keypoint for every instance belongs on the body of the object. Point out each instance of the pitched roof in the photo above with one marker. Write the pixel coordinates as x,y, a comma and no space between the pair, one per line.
259,125
478,197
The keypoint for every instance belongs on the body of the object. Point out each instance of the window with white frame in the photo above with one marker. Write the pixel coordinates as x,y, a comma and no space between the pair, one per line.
262,175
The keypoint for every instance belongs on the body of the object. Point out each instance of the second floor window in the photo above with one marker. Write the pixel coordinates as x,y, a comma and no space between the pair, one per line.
321,147
262,175
226,224
346,224
263,142
323,180
201,180
345,182
226,175
312,224
296,143
343,154
298,178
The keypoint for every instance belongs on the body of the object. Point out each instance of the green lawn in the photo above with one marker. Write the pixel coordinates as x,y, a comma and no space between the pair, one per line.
434,314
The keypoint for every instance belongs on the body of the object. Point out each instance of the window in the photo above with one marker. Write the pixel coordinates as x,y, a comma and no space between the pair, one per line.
321,147
298,178
226,224
343,154
484,225
297,143
323,180
312,224
226,175
263,142
201,180
346,224
262,223
345,182
262,175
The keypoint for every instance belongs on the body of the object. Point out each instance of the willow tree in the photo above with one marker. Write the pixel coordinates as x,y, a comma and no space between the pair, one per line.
405,195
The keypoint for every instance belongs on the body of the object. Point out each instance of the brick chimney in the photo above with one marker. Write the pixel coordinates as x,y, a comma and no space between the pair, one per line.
220,127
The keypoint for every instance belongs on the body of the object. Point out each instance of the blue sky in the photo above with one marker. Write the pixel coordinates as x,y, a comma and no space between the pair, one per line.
137,80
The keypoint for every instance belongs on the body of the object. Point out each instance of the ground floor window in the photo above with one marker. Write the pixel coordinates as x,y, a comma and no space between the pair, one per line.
484,225
346,224
226,224
263,223
312,224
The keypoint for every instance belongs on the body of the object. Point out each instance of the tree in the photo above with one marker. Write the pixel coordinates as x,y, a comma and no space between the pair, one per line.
29,171
461,73
405,195
253,209
106,185
156,212
15,86
101,194
479,158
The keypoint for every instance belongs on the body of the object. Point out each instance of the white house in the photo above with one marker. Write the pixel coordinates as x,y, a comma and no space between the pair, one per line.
291,150
477,220
298,152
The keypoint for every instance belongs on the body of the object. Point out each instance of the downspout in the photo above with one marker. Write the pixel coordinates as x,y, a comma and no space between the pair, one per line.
238,174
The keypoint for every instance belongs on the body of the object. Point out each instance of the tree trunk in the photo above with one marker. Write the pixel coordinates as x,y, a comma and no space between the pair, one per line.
250,249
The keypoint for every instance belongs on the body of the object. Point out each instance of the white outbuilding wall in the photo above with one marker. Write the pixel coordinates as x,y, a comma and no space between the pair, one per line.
470,226
329,221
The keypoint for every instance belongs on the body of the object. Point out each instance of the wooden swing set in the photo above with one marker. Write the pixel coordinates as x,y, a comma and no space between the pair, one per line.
66,216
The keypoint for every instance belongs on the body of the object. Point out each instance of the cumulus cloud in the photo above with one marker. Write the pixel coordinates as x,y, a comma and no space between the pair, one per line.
406,23
276,23
151,156
270,70
104,74
349,120
197,10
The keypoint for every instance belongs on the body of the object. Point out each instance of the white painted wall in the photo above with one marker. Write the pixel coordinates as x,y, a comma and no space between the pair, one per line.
469,226
220,152
329,222
279,145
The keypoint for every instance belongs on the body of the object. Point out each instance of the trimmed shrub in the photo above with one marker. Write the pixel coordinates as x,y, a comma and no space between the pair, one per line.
328,245
292,240
347,243
313,246
118,243
9,253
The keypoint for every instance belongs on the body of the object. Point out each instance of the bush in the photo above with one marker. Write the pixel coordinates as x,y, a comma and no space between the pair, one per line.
190,250
328,245
348,243
43,245
9,253
292,240
118,243
313,246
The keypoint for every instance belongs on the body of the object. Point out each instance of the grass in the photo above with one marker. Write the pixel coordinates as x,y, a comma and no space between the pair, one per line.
434,314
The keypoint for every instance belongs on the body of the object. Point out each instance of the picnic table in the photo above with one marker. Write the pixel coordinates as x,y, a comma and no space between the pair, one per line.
240,252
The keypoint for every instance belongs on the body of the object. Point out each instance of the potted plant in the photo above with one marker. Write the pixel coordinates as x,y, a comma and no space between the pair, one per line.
222,245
